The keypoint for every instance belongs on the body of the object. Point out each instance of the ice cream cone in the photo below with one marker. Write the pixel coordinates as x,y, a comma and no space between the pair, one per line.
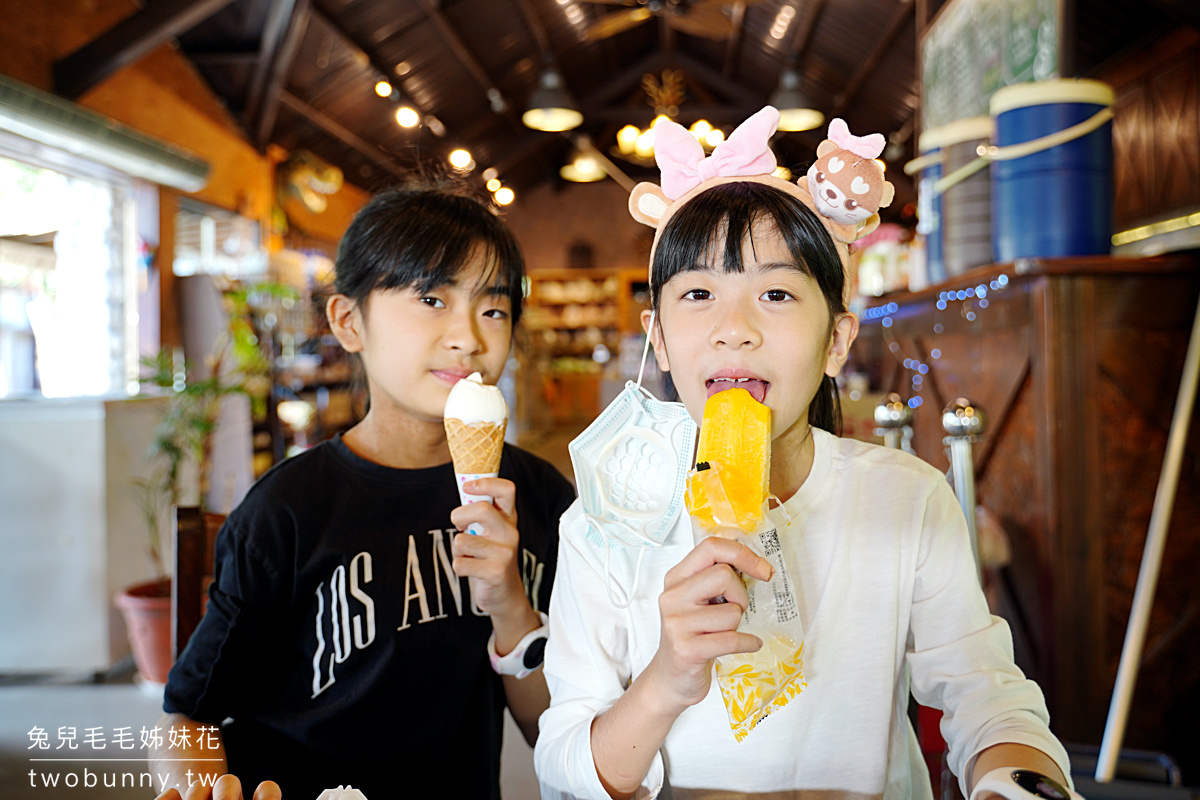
475,447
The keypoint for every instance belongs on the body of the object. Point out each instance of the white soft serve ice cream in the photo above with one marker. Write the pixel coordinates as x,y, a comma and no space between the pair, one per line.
476,417
471,400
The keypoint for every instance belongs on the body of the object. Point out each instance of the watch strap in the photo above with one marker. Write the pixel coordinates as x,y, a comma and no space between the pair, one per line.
1021,784
526,657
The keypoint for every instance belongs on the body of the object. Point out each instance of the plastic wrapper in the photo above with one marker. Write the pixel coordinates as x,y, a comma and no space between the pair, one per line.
752,684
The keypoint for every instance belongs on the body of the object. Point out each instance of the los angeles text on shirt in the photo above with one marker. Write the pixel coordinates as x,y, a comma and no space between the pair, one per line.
354,628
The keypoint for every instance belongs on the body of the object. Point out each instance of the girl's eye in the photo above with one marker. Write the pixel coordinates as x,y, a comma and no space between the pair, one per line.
820,176
496,313
776,295
432,302
697,294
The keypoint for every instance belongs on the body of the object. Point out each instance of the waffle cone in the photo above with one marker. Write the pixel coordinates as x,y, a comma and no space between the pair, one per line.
475,447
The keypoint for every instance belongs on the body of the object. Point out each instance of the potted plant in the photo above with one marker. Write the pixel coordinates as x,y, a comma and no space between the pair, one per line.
183,436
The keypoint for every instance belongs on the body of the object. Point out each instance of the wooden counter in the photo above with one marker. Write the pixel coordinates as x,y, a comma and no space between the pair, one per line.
1077,363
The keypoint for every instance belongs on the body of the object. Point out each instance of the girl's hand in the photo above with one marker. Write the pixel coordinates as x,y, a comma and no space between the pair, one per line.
696,630
490,559
227,787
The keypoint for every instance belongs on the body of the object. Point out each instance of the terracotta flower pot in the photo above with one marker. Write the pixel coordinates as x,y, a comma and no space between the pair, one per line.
147,611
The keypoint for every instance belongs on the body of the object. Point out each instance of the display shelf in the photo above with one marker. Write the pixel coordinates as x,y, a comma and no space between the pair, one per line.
572,329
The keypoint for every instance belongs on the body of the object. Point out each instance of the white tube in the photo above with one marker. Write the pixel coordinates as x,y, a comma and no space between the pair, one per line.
1156,539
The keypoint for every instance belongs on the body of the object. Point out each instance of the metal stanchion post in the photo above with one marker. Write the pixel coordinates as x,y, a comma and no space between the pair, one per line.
893,421
964,422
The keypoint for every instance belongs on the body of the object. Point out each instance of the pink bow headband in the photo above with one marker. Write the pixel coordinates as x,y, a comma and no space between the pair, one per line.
744,157
683,165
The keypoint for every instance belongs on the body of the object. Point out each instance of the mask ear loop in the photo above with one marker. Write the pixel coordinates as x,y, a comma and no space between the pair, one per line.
608,586
645,350
787,518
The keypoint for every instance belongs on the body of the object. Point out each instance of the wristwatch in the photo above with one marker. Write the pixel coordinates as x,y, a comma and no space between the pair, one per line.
1021,784
525,657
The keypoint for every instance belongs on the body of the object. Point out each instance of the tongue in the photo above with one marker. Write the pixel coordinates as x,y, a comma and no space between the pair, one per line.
756,388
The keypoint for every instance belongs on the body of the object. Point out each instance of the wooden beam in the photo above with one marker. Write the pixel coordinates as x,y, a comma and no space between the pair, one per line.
342,133
233,55
733,91
738,17
278,19
128,41
804,34
535,26
463,54
280,66
627,79
900,18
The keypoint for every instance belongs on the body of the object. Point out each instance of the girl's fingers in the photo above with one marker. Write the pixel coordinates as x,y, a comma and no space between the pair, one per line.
484,547
169,794
702,649
495,523
268,790
701,620
502,491
716,550
716,580
227,787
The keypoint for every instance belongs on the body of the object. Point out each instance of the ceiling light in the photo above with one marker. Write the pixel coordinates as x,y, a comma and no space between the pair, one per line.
461,159
383,89
493,184
490,174
627,138
407,117
583,169
795,111
504,195
714,137
700,128
644,146
551,108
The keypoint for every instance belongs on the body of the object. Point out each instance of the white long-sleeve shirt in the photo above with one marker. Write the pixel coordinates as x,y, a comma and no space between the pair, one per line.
878,550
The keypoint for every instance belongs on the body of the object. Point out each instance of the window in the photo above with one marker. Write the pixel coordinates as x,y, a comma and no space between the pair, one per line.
68,321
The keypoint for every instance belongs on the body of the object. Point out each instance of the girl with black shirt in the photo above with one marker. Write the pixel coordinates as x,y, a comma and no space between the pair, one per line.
347,633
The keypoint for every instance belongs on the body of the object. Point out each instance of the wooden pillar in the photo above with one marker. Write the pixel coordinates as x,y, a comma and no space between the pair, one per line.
170,330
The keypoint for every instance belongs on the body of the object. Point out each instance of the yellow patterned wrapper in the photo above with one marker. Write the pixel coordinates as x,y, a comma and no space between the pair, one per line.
755,684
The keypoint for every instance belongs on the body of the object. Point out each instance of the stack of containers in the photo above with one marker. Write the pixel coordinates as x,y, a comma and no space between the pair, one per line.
1057,201
967,204
929,204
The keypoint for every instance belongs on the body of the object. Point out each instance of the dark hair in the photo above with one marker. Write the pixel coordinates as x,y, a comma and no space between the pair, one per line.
731,210
422,238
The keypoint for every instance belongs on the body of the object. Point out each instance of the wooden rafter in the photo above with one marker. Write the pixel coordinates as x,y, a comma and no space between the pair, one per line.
273,68
342,133
738,18
900,18
127,41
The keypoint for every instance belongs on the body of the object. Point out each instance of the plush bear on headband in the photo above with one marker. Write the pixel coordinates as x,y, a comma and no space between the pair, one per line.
856,181
847,183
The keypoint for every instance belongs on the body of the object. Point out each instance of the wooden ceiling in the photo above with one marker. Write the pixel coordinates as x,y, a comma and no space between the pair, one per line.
301,73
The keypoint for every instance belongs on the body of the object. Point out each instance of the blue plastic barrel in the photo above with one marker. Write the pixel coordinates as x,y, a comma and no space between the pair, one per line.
929,205
1057,202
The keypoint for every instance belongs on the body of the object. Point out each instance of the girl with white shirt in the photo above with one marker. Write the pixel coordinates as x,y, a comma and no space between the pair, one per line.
747,286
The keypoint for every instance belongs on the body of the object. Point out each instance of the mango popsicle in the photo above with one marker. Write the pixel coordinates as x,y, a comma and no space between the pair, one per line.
735,444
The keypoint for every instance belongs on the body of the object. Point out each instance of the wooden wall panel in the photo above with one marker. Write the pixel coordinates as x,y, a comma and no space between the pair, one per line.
1077,363
1156,133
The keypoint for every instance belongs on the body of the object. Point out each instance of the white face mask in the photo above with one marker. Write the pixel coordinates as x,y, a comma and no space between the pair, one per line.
631,467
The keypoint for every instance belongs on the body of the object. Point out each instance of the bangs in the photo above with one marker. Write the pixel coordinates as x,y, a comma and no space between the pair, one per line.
423,240
708,232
